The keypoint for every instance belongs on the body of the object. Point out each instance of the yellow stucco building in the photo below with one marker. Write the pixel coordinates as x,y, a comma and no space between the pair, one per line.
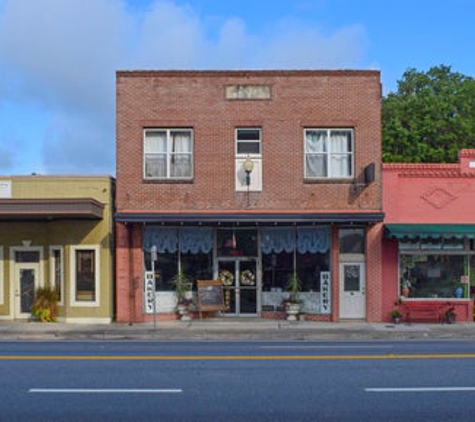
57,231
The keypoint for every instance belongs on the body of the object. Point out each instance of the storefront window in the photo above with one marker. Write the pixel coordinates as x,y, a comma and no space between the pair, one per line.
435,275
198,266
166,266
277,268
285,250
232,242
190,247
309,267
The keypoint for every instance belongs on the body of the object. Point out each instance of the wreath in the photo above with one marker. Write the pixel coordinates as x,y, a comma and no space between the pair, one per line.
226,277
247,278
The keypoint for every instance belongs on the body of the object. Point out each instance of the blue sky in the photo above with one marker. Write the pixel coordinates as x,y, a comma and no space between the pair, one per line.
58,58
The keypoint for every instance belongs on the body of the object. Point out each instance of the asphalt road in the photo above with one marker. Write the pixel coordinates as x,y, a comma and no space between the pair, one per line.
237,381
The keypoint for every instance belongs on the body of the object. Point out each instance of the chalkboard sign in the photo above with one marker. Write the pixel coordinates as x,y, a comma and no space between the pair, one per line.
210,296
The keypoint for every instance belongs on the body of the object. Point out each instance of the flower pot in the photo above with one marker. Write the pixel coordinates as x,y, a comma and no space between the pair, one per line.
458,292
183,312
405,291
293,309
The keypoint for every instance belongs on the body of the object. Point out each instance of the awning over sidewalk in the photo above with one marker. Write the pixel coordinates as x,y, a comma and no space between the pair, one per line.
250,218
430,231
50,209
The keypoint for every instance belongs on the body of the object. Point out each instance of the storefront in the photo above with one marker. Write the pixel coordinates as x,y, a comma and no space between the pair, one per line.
429,245
255,264
436,261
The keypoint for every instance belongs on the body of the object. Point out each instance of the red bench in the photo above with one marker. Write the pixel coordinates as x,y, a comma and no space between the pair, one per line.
423,311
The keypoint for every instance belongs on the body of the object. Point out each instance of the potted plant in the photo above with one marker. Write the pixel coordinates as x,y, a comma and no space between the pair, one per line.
450,315
182,284
293,304
45,304
396,315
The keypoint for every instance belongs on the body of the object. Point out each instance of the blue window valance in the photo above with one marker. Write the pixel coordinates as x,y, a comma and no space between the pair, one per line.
313,240
190,240
277,240
306,239
196,240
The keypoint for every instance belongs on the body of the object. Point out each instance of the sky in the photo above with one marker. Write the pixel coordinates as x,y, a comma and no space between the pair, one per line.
58,58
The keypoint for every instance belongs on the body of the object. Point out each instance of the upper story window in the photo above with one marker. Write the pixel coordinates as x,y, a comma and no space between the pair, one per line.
248,141
168,153
328,153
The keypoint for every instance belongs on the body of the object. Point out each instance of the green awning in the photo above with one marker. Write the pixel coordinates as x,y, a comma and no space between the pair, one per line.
430,231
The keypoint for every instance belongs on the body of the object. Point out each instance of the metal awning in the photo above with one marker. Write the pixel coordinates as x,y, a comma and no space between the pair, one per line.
50,209
249,218
430,231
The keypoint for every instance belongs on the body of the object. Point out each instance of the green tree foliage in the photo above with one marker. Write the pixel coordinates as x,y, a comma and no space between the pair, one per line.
430,117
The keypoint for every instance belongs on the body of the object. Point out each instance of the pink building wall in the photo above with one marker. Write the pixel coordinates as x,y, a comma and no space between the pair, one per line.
425,194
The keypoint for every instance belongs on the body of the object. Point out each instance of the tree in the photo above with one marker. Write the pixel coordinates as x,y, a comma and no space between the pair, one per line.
430,117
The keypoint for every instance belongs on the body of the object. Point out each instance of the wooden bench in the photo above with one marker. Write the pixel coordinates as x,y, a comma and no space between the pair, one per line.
423,311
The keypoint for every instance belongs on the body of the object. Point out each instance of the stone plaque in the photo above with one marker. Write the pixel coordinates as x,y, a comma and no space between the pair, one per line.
248,92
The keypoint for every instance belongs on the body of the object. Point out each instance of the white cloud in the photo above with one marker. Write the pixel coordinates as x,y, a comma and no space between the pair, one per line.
304,47
62,55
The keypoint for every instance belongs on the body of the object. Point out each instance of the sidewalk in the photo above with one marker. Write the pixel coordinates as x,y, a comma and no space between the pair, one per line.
233,329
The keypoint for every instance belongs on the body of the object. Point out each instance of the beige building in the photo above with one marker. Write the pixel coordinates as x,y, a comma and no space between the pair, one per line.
58,231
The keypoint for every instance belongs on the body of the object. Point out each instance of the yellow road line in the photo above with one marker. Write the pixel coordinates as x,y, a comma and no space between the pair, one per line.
234,357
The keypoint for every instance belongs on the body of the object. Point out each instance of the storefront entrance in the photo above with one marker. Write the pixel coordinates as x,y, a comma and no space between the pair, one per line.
240,281
26,278
352,290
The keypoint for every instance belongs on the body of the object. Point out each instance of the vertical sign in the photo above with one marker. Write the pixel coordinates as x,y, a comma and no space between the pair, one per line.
325,293
149,296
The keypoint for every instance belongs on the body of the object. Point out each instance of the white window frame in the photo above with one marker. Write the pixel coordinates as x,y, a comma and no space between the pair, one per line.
52,270
238,141
330,154
169,153
97,267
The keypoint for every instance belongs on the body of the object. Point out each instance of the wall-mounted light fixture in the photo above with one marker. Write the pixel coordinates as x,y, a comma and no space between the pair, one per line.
368,177
248,166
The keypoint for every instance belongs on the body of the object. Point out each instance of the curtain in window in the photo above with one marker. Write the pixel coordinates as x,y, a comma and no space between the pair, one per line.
196,240
316,150
313,240
155,149
191,240
277,240
180,154
164,238
340,154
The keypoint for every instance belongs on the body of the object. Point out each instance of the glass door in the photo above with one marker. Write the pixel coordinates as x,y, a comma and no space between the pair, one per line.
239,276
27,278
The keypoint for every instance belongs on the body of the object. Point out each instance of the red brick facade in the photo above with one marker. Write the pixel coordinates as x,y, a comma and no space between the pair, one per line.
294,101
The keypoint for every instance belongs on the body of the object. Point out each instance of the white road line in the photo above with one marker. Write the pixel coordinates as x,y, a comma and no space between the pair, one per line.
326,347
418,389
105,390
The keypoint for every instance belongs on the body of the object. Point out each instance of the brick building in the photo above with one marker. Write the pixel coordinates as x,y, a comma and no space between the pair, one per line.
429,246
248,177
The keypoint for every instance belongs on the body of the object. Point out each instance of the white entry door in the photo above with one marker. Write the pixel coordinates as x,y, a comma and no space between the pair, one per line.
352,290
